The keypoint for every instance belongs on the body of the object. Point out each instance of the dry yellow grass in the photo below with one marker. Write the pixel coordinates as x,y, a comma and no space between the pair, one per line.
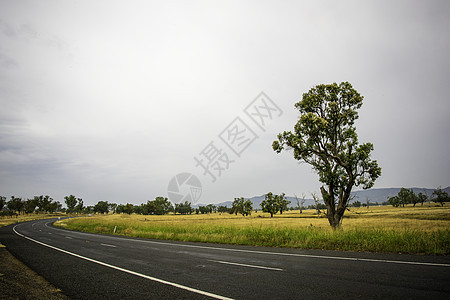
4,221
410,229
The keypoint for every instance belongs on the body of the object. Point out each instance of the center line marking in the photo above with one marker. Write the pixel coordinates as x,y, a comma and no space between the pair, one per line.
68,237
108,245
245,265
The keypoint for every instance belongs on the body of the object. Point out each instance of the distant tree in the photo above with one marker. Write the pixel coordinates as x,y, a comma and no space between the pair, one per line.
120,209
356,204
325,137
112,207
270,204
405,196
15,204
248,207
413,198
71,202
43,202
238,205
184,208
2,202
138,209
394,201
222,209
159,206
242,206
440,196
211,208
422,197
202,209
316,203
53,207
30,206
80,206
129,208
282,202
101,207
300,203
163,205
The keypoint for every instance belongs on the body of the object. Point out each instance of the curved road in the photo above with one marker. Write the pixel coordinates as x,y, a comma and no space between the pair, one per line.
92,266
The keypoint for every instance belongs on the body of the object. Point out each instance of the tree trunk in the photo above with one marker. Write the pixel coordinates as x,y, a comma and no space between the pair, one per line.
334,215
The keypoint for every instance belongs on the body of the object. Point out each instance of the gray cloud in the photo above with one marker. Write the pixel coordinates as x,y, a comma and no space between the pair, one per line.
152,84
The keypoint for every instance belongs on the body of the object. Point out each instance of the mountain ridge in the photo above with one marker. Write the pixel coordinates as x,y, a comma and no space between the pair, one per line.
378,195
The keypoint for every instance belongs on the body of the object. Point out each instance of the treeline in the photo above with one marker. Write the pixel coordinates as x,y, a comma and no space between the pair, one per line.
272,204
38,204
407,196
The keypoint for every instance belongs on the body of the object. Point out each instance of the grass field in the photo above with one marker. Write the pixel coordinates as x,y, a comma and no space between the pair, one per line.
418,230
24,218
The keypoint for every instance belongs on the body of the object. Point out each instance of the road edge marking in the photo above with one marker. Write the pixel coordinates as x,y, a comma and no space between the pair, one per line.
180,286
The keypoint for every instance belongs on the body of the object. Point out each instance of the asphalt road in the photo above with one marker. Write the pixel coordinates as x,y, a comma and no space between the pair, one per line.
92,266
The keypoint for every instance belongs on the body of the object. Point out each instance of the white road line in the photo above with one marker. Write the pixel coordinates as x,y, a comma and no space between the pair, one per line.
68,237
108,245
245,265
125,270
300,255
280,253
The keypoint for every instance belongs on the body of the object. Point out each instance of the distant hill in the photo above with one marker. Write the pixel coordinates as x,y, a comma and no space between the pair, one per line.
374,196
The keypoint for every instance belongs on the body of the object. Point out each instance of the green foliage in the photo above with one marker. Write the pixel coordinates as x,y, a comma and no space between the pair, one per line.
101,207
404,197
394,201
159,206
325,137
183,208
30,205
421,197
71,202
222,209
356,204
241,206
2,202
282,203
274,203
80,205
43,202
440,196
15,204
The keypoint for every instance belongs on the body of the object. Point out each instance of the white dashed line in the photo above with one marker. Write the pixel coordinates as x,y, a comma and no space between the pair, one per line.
245,265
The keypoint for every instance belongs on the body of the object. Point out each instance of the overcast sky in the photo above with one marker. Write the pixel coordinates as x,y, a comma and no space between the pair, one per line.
109,100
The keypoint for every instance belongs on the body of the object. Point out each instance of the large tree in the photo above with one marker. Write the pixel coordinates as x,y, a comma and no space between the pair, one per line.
325,137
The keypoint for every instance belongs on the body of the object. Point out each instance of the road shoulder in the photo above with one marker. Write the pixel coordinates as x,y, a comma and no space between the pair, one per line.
17,281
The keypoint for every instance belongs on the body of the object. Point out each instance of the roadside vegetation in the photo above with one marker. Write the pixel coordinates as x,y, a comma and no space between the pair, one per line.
418,230
4,221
